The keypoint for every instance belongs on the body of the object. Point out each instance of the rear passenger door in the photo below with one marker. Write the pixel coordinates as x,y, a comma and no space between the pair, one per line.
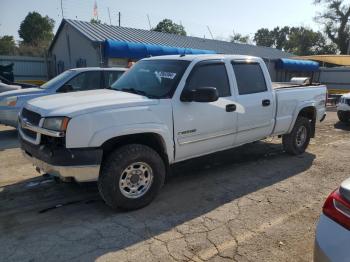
110,77
255,102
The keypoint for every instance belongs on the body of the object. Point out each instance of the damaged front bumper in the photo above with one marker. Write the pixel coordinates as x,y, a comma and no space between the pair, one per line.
82,165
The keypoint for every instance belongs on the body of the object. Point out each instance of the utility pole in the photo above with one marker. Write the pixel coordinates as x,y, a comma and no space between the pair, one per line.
212,37
149,22
109,15
119,16
62,9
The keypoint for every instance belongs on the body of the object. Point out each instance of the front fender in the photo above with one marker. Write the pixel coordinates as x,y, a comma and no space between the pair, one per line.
115,131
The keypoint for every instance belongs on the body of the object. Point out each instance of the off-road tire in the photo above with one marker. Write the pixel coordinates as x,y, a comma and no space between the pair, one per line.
342,117
289,141
112,168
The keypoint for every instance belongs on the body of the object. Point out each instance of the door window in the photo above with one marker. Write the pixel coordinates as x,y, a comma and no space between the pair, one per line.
86,81
110,77
210,75
250,78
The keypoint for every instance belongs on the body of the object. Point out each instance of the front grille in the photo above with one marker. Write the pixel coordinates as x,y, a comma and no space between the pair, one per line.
348,101
32,117
29,133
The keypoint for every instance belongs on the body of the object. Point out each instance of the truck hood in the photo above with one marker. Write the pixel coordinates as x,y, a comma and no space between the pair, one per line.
77,103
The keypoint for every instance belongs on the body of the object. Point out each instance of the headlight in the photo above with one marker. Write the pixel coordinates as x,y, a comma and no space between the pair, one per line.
9,101
56,123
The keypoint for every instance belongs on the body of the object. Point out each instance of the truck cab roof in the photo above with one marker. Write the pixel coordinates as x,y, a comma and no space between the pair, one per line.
204,57
84,69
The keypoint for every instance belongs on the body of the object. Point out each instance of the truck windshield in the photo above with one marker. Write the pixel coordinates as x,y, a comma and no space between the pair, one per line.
152,78
65,75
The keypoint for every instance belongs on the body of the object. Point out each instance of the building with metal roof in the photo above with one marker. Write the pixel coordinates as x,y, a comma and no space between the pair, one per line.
79,43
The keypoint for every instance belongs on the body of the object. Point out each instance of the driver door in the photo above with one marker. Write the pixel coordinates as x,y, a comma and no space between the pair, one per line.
202,128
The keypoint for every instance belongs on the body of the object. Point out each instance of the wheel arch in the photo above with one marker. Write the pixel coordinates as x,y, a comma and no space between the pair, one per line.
308,111
151,139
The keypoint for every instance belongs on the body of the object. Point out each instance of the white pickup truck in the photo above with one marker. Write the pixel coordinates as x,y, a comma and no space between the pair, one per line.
164,110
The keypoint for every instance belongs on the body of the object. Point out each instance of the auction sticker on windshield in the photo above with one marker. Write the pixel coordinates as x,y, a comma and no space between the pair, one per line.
169,75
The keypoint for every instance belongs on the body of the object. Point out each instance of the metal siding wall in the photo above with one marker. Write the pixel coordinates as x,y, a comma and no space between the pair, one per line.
80,48
26,68
60,50
335,78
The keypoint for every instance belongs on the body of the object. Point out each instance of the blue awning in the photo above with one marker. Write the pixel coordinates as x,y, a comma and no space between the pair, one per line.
119,49
297,65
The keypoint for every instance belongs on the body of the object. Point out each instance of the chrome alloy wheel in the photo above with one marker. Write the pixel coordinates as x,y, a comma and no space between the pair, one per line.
301,136
136,180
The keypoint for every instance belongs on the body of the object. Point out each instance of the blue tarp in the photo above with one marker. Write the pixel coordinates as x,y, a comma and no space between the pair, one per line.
119,49
297,65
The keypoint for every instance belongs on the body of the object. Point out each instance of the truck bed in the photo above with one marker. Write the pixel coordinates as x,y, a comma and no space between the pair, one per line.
281,85
290,97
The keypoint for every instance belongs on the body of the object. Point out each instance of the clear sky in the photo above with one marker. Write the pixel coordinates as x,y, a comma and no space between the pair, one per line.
222,16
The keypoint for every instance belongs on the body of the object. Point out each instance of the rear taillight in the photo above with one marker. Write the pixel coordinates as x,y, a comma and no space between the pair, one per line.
337,209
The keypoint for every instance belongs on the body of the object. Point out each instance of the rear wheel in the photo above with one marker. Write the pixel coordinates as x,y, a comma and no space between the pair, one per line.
298,140
131,177
342,117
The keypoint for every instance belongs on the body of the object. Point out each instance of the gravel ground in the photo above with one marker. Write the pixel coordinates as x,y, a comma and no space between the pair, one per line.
254,203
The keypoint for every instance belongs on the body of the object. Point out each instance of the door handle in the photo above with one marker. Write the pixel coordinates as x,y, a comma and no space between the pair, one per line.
266,102
231,108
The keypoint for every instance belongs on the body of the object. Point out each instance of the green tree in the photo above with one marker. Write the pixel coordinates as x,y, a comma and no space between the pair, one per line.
335,20
36,29
95,21
239,38
263,37
168,26
7,45
280,36
275,38
304,41
296,40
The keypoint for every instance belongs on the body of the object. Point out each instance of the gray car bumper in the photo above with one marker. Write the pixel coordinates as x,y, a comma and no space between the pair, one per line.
332,241
8,116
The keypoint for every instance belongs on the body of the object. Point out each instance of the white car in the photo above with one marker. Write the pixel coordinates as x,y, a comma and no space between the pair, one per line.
343,108
332,234
5,87
79,79
165,110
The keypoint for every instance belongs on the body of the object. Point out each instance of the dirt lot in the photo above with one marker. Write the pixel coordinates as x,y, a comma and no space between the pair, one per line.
254,203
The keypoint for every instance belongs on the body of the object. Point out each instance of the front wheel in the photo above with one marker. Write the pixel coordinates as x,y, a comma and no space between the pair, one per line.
298,140
131,177
342,117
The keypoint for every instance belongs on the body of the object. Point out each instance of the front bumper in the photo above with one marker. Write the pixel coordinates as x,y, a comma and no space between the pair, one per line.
83,165
9,116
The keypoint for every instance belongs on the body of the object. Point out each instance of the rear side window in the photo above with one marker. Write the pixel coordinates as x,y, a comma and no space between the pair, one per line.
210,75
250,78
86,81
110,77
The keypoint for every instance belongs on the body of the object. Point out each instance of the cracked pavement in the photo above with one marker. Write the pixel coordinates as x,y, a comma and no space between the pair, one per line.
253,203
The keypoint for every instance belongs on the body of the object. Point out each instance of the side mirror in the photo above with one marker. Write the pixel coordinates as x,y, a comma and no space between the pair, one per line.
65,89
201,94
